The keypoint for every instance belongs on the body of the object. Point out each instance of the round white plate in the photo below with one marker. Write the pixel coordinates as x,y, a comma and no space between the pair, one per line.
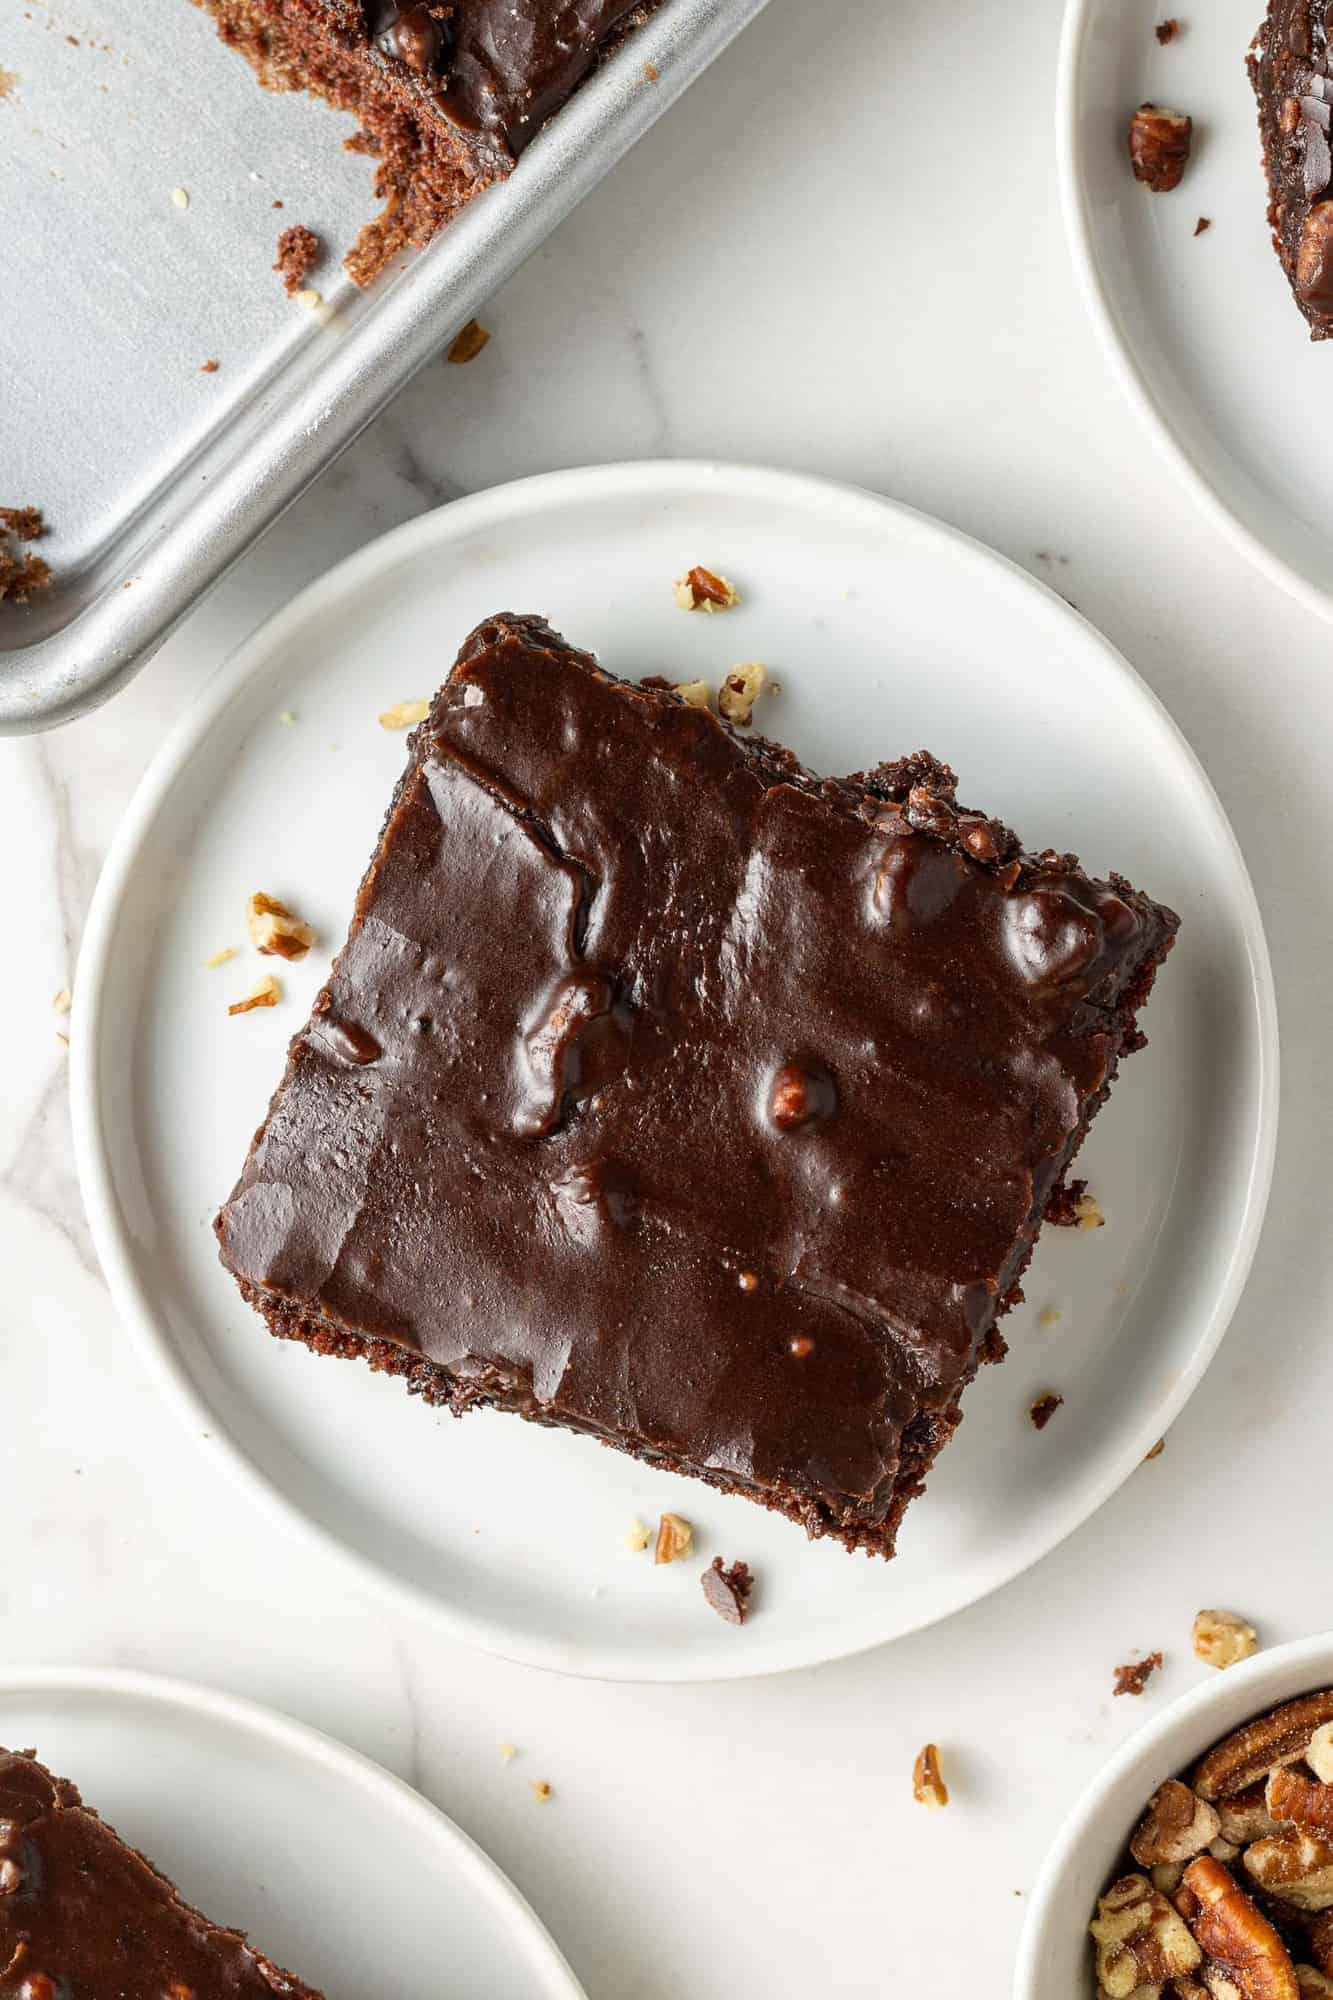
1202,332
886,631
262,1824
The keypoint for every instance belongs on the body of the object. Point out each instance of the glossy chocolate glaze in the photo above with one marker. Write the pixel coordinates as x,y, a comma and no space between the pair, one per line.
496,68
667,1093
1290,71
83,1917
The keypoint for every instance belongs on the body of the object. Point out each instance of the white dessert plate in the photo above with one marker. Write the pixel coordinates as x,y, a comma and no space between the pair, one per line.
886,631
1201,331
335,1868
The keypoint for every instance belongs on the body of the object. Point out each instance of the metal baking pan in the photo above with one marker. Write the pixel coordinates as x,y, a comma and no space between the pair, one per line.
142,164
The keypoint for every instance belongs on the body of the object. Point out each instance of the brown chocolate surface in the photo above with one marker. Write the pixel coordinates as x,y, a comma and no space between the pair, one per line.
448,92
670,1094
1288,64
84,1917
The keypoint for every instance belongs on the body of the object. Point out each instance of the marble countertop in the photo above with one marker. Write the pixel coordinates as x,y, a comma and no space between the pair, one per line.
854,267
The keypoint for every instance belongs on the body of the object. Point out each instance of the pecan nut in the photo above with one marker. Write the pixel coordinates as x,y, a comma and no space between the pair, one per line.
1159,146
1234,1935
1175,1828
1247,1756
1304,1802
1140,1939
1296,1866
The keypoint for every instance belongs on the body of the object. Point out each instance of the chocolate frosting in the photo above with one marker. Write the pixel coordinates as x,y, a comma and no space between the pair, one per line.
666,1093
84,1917
496,68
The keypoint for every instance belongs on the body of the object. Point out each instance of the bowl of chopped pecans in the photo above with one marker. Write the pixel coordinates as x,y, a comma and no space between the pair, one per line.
1199,1864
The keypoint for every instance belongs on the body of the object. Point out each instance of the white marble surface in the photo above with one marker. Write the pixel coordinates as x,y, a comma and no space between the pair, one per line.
852,264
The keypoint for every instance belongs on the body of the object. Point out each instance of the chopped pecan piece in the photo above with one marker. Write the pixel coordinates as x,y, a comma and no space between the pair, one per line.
1244,1758
1312,1984
1245,1816
1221,1638
266,993
467,344
404,714
928,1786
675,1538
1304,1802
740,691
696,694
1140,1939
1176,1826
1234,1936
1297,1866
1159,146
1321,1941
274,931
704,590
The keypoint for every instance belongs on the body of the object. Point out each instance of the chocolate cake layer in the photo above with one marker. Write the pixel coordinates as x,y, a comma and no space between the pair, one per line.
448,92
668,1093
1289,69
84,1917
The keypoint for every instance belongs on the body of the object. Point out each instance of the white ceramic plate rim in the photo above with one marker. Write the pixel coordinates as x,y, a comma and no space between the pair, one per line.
1115,342
1278,1665
477,513
488,1882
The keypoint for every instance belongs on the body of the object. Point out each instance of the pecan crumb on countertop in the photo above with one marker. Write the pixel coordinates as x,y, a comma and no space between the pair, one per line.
299,250
928,1786
467,343
728,1590
1221,1639
1133,1678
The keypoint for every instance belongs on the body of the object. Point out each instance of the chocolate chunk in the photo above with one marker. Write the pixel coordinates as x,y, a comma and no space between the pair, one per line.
728,1590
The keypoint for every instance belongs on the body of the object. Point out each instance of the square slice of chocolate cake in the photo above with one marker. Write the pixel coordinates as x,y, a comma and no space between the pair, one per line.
84,1917
668,1093
1289,69
448,92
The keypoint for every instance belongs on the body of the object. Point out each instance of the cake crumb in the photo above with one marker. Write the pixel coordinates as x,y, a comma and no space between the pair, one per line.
181,197
63,1000
1044,1409
1049,1316
1204,222
541,1791
21,575
209,367
1133,1678
467,343
1062,1207
1166,31
509,1751
299,250
727,1590
220,957
404,714
266,994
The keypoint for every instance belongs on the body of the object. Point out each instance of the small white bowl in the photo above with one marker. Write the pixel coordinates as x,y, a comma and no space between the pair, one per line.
1054,1959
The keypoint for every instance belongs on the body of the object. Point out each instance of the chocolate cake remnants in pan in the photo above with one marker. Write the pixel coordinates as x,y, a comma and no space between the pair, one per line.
668,1093
448,92
82,1914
